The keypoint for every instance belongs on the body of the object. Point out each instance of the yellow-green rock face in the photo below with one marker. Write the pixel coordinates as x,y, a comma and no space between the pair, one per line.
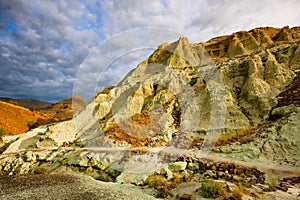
256,66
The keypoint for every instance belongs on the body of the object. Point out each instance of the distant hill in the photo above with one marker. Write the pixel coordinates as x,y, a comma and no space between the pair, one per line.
16,119
27,103
63,110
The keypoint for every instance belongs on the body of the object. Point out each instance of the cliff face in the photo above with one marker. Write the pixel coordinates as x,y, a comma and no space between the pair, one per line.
255,67
244,86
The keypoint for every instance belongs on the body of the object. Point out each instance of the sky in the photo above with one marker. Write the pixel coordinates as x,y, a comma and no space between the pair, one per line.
53,49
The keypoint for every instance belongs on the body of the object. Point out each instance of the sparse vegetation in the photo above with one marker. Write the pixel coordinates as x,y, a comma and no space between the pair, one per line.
239,192
164,186
40,170
157,181
272,180
13,102
210,189
176,179
244,135
32,124
32,108
2,131
64,161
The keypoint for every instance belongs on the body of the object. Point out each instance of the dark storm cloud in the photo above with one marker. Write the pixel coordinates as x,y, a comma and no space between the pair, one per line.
42,47
43,43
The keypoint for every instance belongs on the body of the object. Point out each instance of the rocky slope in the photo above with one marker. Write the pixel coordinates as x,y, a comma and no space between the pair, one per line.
155,128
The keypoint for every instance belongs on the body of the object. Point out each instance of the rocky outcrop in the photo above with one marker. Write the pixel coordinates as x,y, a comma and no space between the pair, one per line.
170,107
252,83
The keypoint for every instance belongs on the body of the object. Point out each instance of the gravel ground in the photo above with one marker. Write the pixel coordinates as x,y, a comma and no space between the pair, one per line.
64,186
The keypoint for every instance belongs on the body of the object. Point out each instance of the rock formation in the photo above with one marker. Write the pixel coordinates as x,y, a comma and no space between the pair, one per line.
243,87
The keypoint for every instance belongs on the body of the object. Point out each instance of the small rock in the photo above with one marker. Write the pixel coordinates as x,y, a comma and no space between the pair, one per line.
236,178
102,166
246,197
221,174
263,187
193,166
257,189
230,185
284,111
84,162
294,191
165,171
114,171
177,166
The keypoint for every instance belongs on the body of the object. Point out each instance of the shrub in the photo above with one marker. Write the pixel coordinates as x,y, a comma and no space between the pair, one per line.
156,181
254,167
32,108
2,131
176,179
13,102
210,189
239,192
39,170
32,124
244,135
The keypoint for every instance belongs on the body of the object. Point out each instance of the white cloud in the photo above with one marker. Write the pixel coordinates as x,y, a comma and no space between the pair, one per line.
32,49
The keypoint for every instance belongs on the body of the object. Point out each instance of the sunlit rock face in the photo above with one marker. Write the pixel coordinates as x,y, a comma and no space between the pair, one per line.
149,105
158,98
181,91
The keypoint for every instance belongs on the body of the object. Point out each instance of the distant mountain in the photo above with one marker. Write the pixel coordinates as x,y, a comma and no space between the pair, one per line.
27,103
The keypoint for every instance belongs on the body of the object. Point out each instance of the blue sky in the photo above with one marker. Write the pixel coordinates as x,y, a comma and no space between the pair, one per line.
44,43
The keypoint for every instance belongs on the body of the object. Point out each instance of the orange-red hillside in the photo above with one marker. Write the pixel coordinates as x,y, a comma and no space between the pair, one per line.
15,119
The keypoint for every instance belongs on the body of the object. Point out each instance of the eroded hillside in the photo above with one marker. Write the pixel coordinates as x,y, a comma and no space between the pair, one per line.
156,128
